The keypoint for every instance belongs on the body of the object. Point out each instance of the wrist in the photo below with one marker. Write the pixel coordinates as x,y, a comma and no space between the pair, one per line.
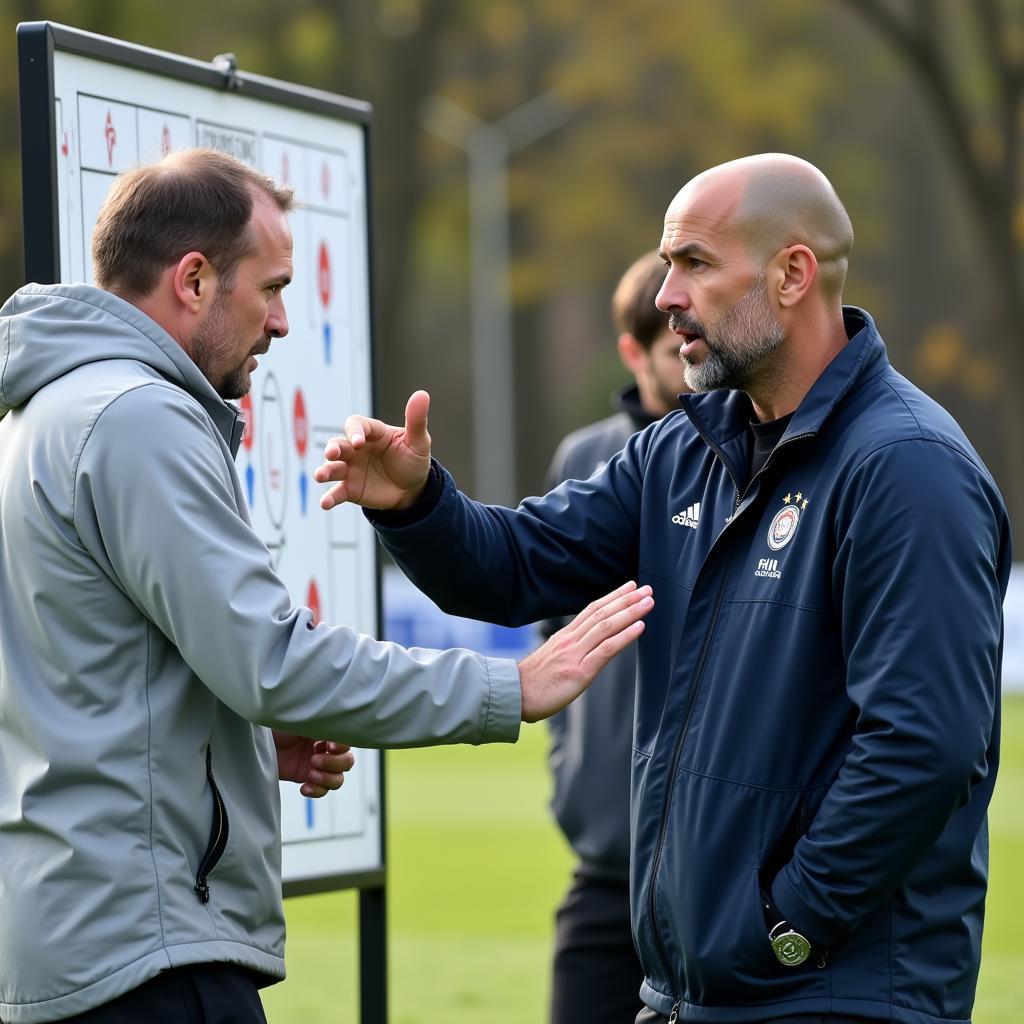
792,948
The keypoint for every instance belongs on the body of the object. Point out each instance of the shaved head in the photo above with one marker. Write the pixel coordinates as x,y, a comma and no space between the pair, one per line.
769,202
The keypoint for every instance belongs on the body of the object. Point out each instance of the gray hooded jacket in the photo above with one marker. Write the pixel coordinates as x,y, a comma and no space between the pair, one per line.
145,647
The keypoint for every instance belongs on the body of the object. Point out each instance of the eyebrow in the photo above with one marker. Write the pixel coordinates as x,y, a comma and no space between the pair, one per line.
282,279
685,251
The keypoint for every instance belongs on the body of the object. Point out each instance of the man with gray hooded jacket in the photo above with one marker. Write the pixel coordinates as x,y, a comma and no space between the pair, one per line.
155,678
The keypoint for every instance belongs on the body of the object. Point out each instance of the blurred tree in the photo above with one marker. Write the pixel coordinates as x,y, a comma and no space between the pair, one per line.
968,60
657,90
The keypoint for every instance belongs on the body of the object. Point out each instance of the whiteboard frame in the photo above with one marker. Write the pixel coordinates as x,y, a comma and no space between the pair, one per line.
37,44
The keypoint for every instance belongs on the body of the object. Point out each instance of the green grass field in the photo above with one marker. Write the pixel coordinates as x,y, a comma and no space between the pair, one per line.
476,869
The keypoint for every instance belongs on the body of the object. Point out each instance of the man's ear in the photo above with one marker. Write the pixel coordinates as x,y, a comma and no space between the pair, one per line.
791,274
631,352
194,282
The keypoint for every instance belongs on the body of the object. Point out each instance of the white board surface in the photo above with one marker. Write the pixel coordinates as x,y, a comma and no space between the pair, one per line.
111,117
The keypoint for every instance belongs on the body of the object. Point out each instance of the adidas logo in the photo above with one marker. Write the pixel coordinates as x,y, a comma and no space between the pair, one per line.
690,517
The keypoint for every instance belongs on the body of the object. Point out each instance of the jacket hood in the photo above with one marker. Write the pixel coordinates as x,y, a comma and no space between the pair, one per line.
47,331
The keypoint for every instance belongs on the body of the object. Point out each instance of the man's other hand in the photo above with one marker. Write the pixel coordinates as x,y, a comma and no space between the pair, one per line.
319,765
377,465
560,670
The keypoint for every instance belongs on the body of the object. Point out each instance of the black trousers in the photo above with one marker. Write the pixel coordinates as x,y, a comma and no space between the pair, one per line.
200,994
597,974
648,1016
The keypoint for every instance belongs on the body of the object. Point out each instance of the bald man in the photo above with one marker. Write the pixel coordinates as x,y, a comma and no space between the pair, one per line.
816,728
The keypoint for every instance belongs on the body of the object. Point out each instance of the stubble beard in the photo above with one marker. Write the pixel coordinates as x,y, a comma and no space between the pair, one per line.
213,342
737,346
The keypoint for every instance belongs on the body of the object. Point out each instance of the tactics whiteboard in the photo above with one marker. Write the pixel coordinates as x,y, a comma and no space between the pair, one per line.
92,107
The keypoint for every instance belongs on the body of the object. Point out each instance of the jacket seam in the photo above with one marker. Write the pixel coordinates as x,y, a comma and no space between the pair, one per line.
7,357
668,579
152,796
782,604
754,785
888,944
490,699
162,948
905,440
91,426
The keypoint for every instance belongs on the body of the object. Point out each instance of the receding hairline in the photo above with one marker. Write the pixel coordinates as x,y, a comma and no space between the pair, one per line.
186,161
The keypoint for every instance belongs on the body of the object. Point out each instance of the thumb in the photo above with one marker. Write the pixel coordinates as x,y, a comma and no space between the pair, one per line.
416,410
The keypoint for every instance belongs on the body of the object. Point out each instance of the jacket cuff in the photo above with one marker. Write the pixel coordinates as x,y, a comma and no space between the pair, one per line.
504,713
819,931
418,510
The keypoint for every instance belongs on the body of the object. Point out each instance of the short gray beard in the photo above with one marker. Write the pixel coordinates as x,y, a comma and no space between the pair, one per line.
738,344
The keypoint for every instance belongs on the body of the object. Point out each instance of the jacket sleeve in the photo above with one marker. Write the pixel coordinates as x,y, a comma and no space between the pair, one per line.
155,505
548,557
922,559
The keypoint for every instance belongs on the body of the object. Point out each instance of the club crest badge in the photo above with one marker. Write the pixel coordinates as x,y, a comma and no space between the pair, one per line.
787,519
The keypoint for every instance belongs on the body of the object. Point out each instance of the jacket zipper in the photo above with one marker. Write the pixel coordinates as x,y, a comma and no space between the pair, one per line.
772,454
677,754
674,1015
218,835
698,675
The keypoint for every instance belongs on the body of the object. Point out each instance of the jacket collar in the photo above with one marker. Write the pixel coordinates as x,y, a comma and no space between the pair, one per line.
721,416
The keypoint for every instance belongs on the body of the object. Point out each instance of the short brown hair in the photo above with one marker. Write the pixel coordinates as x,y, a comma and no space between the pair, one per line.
195,199
633,308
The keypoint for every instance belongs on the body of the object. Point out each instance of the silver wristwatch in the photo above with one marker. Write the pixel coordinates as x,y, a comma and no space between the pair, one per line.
791,948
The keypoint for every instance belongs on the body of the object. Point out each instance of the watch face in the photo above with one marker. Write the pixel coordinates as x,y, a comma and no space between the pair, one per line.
791,949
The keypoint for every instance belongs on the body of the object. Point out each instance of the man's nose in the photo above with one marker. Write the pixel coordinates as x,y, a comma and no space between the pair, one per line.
671,296
277,321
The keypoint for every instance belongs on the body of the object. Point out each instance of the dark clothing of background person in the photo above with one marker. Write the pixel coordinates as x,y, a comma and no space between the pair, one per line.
597,974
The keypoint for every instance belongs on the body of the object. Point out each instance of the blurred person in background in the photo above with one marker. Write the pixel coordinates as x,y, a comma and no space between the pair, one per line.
816,735
597,974
156,680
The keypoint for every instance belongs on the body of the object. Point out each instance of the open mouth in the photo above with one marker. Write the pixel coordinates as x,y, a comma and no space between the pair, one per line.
690,340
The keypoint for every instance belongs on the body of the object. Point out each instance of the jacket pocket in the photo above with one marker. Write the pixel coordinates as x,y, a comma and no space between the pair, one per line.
218,835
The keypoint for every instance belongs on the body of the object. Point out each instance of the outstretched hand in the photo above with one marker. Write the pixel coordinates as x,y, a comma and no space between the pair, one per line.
377,465
319,765
566,664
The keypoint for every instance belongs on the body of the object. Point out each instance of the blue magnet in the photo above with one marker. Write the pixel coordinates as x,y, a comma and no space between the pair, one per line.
303,490
327,344
250,483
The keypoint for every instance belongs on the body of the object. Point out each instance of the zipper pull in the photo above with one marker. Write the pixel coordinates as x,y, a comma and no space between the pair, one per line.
674,1015
202,890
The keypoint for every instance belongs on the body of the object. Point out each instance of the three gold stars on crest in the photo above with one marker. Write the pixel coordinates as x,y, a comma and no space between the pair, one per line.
800,501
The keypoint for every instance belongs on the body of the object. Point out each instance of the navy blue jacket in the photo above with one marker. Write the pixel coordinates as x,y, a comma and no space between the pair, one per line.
818,695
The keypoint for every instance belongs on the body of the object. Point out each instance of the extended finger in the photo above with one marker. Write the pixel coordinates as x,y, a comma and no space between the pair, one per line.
603,626
594,660
359,428
337,495
416,410
626,595
334,763
599,602
334,469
